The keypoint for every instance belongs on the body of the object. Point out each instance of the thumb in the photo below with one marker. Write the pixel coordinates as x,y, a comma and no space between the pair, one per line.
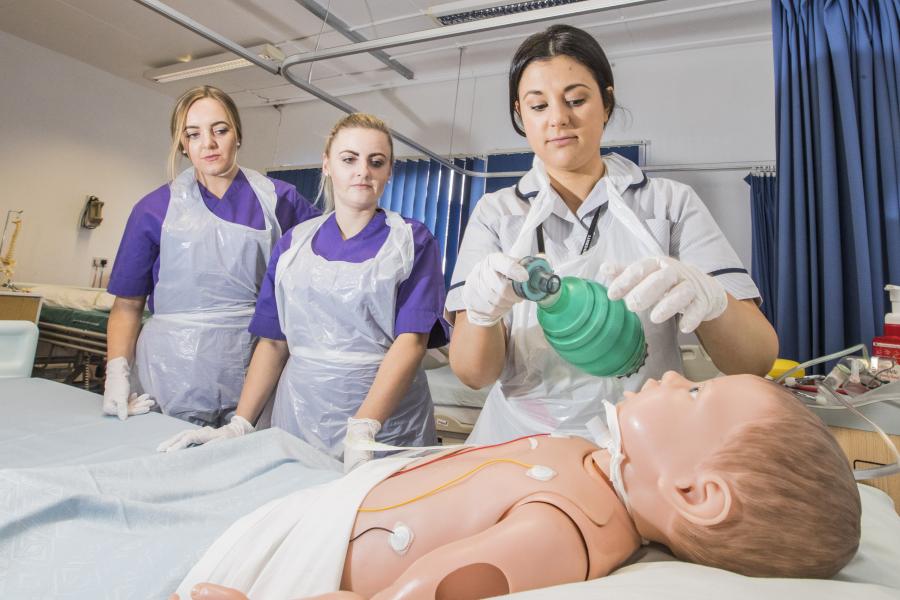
508,266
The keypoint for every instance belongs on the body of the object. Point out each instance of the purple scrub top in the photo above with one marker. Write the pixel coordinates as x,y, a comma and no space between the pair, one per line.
420,298
136,269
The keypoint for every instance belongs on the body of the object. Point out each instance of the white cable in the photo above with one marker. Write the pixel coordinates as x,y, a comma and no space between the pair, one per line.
853,350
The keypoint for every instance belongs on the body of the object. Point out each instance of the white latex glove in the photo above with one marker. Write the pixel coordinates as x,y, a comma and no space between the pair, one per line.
237,427
358,430
669,286
117,396
488,293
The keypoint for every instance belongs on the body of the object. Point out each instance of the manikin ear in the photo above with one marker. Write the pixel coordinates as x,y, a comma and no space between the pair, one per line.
704,500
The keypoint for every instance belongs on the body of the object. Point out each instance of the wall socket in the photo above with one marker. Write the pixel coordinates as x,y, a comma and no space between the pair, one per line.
98,261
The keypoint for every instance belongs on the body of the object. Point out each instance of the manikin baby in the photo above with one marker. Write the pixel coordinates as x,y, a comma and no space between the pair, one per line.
732,473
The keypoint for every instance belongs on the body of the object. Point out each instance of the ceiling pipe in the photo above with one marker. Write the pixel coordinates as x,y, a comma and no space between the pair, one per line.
345,30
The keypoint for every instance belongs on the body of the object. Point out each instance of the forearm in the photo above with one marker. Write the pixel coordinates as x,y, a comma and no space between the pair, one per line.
394,377
262,377
741,340
477,354
123,327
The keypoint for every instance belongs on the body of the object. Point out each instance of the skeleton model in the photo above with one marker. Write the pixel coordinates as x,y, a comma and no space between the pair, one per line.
7,262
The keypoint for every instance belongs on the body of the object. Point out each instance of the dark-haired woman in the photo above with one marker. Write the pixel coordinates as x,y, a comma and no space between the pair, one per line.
651,241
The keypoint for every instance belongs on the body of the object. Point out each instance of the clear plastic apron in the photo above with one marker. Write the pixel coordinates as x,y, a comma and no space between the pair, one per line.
338,318
194,351
538,391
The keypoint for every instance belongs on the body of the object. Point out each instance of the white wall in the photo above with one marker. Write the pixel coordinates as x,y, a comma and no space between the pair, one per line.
702,105
69,130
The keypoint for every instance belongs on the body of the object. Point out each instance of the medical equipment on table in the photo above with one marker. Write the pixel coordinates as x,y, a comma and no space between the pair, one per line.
850,385
886,348
7,262
599,336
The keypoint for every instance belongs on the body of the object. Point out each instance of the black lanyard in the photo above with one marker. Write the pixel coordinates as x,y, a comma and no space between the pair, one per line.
589,238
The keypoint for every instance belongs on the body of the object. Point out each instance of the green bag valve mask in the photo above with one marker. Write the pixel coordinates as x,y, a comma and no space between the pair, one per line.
599,336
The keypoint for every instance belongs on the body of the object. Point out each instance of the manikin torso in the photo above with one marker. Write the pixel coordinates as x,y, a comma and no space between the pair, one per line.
578,489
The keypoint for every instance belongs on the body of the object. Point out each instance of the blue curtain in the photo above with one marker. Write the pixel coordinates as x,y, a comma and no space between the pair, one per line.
763,214
305,180
837,86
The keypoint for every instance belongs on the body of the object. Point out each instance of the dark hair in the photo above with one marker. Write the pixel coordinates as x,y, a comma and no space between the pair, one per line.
561,40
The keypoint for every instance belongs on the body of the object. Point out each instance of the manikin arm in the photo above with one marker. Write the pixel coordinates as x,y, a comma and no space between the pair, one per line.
536,546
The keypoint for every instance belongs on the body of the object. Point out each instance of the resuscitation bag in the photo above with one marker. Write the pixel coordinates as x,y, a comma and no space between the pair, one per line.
587,329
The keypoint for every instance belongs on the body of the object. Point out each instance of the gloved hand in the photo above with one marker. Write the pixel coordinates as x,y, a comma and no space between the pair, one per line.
670,287
358,430
117,396
488,293
237,427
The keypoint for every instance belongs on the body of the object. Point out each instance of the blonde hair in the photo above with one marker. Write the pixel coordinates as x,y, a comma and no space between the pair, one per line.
351,121
179,117
796,511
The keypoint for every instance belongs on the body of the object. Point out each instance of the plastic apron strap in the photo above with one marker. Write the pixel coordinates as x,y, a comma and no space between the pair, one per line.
630,220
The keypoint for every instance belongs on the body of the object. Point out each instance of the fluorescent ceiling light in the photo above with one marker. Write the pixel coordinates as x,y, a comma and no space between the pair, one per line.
452,13
212,64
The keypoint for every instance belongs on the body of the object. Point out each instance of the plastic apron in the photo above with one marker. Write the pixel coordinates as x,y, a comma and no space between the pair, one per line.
538,391
193,353
338,318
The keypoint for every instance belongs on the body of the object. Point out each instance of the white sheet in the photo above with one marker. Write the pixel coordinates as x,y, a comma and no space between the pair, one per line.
68,296
874,574
294,546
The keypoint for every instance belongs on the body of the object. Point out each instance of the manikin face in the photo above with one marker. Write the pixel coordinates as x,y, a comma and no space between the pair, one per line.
562,113
359,163
670,429
211,143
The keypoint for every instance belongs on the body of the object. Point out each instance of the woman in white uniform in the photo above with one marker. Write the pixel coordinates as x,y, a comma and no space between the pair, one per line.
197,248
350,303
651,241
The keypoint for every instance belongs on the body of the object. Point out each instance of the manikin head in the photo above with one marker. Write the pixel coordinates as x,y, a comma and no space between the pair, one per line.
736,473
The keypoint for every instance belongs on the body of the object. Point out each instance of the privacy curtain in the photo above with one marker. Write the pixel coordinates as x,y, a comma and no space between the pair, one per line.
837,86
763,208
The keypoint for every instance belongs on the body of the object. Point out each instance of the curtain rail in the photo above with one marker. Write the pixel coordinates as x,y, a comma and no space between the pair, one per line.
284,70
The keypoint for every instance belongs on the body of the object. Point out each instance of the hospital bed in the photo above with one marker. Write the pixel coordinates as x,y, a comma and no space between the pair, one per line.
72,340
46,424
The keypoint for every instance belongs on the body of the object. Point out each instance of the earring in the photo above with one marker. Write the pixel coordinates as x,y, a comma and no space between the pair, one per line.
238,144
184,152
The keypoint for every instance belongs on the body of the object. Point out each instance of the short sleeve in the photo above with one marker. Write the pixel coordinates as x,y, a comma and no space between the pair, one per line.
697,240
265,321
132,271
420,299
480,239
292,208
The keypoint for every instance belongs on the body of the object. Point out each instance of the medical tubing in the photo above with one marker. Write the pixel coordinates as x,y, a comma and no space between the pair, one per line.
460,450
864,474
815,361
447,484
